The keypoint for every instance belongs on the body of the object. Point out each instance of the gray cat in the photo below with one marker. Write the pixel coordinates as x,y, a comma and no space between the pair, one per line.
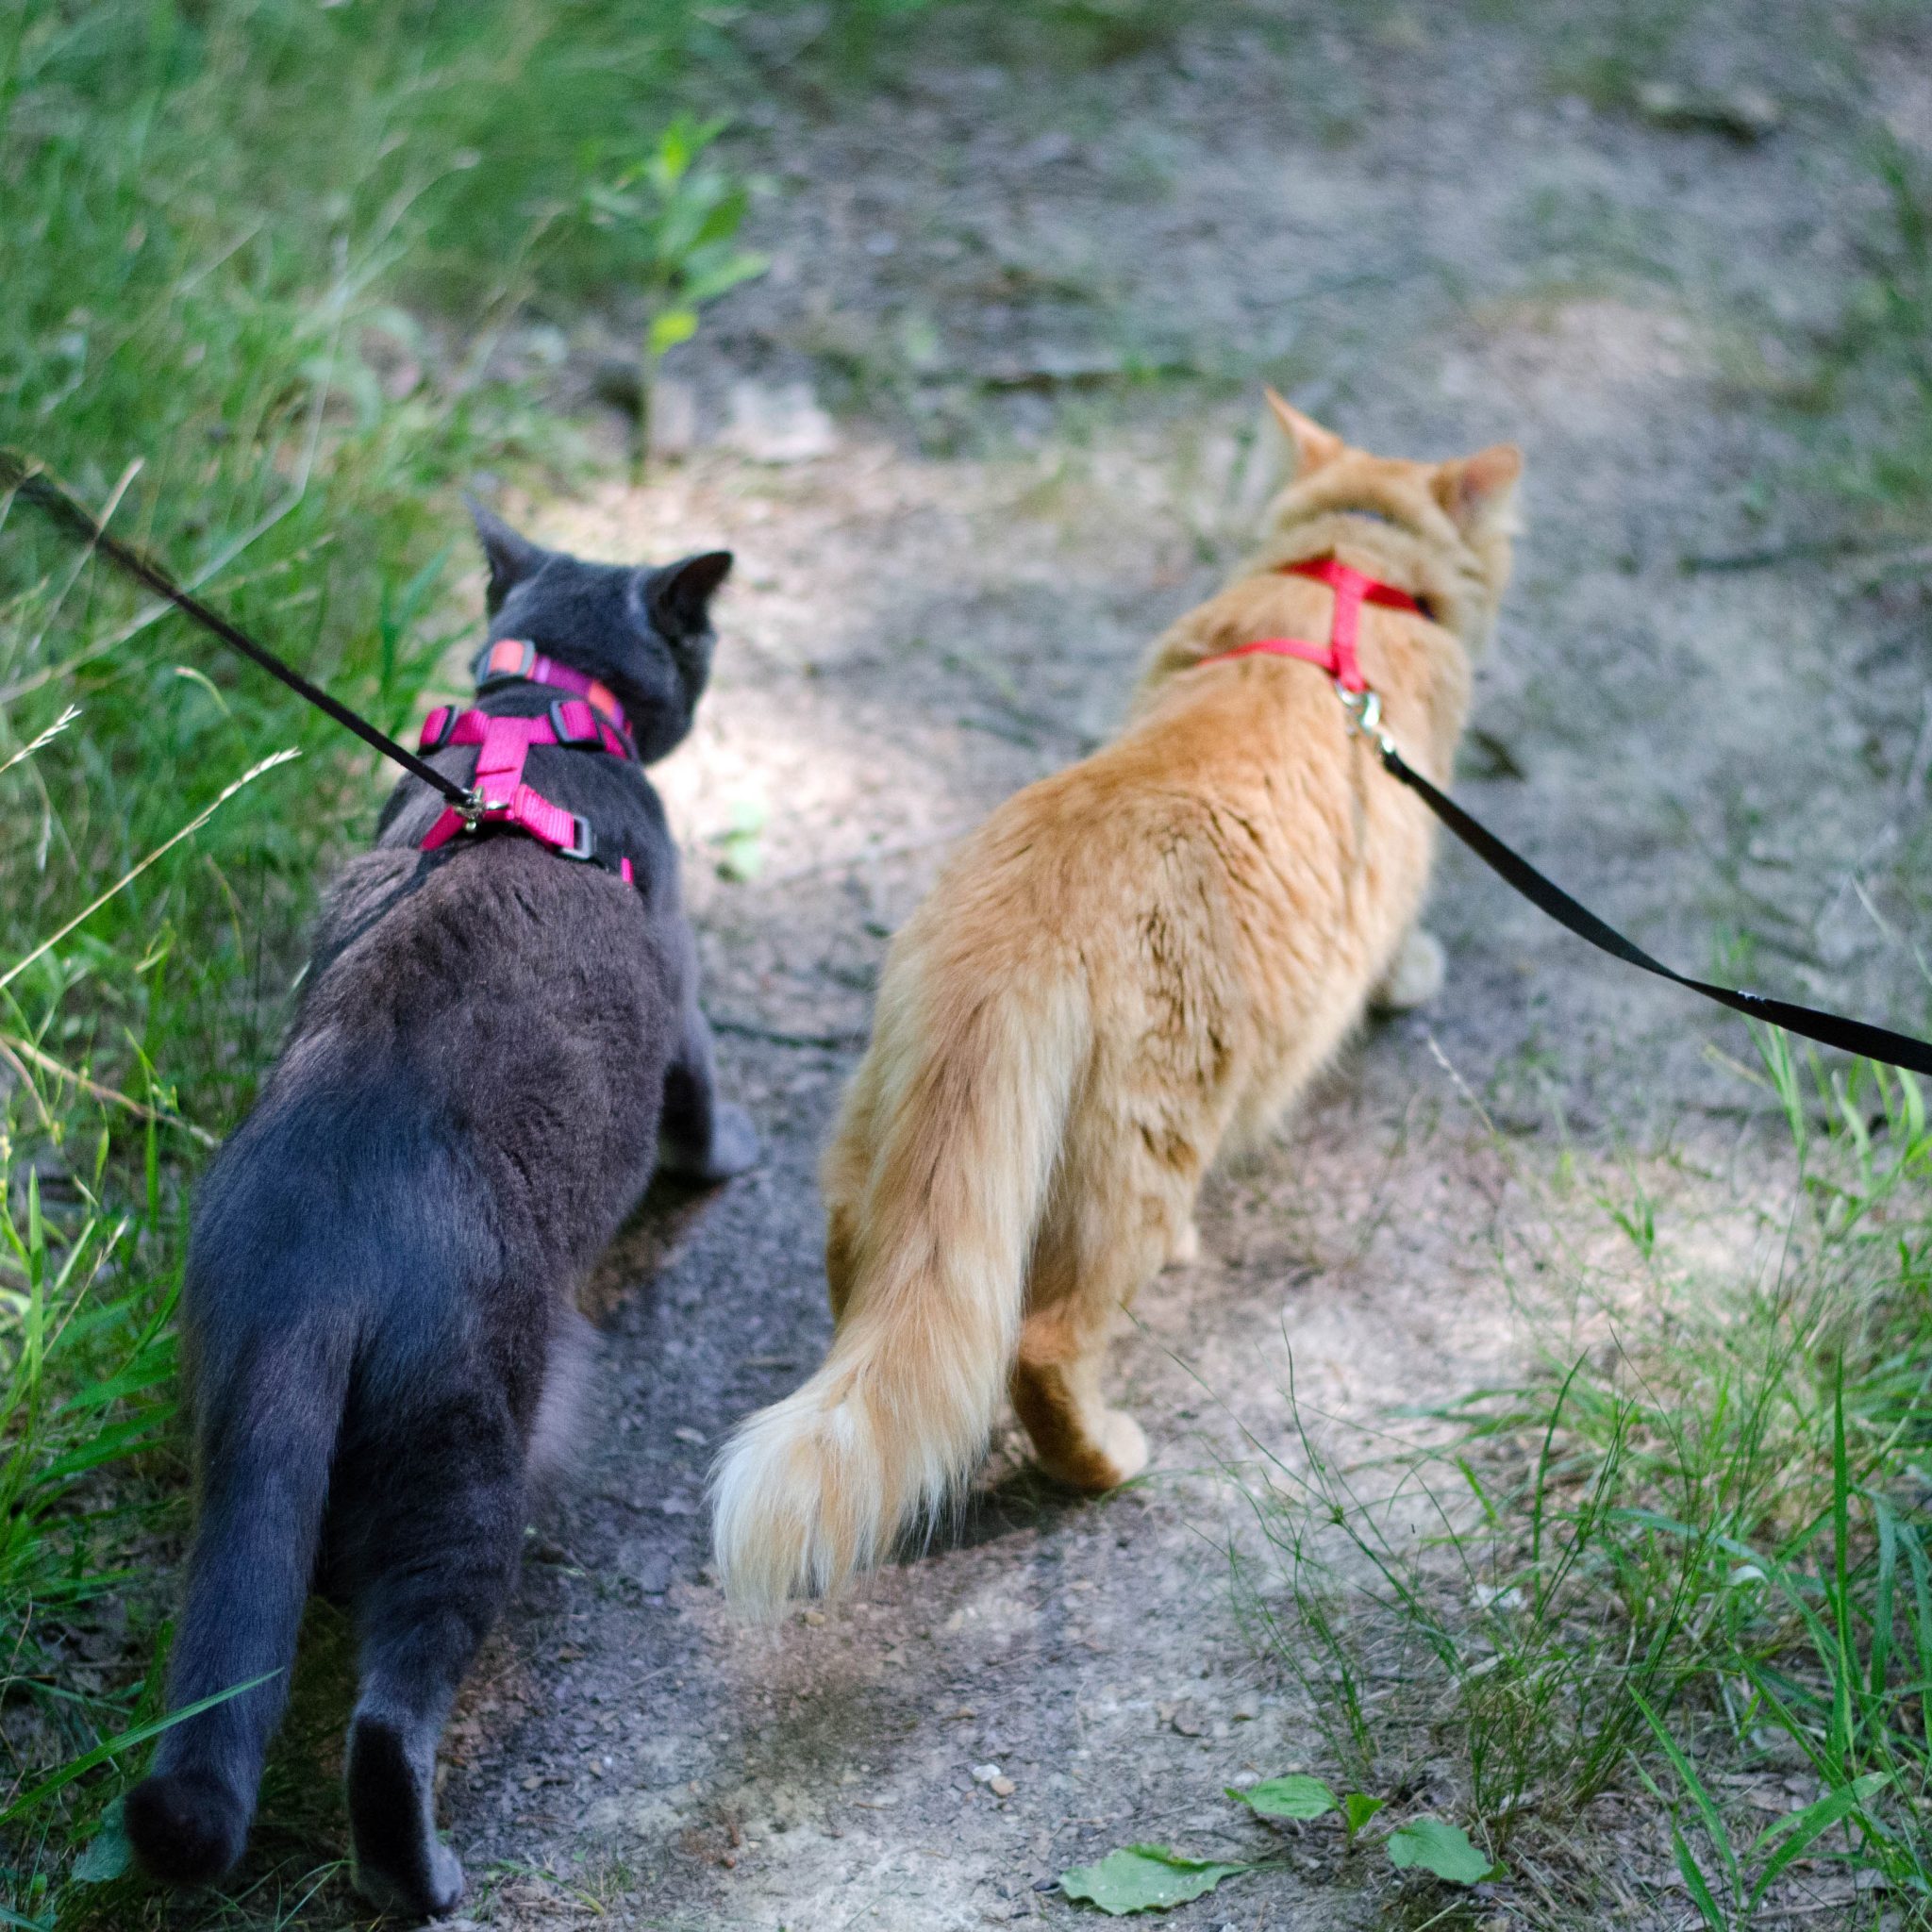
496,1045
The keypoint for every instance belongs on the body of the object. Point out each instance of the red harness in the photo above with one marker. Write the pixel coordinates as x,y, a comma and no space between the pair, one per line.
1337,656
590,720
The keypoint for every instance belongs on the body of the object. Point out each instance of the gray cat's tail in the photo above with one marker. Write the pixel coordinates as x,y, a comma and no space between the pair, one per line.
270,1413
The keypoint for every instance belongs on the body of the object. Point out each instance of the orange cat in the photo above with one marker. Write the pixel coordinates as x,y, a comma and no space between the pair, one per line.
1131,964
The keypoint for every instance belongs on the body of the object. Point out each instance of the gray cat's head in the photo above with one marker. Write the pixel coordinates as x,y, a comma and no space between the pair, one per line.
644,631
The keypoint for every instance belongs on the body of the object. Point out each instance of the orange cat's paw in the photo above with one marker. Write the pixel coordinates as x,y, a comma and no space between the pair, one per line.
1184,1249
1094,1459
1415,978
1125,1447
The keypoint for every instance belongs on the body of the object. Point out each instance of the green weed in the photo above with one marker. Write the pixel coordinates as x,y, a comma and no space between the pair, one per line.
258,254
1689,1559
1877,366
680,217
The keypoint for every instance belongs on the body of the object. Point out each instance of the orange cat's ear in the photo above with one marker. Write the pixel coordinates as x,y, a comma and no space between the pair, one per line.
1479,491
1314,446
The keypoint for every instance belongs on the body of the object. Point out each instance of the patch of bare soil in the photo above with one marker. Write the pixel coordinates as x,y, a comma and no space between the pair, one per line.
1417,233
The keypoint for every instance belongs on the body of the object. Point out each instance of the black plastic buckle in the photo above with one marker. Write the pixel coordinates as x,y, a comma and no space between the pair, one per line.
583,843
483,676
450,714
592,738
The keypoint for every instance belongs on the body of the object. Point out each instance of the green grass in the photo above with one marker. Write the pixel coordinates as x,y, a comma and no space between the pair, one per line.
1687,1560
1877,369
256,256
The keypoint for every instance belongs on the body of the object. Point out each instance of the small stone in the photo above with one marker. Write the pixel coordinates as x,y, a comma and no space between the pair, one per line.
985,1774
674,428
781,424
651,1573
694,1437
815,1618
1001,1787
1741,113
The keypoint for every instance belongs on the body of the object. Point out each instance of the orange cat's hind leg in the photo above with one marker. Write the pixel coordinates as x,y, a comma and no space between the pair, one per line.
1121,1219
1414,976
1056,1394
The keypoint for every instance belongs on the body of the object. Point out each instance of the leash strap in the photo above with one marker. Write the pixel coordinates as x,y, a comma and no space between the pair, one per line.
1828,1029
1338,659
25,479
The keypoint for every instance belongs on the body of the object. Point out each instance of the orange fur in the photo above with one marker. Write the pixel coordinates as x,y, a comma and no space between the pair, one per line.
1130,964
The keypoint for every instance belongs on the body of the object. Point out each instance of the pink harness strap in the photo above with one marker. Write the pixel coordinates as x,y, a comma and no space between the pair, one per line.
511,659
504,745
1353,588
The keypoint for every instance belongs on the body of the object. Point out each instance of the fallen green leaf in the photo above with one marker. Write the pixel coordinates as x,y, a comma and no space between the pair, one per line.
742,858
740,848
1443,1849
1295,1796
1357,1808
107,1855
1144,1878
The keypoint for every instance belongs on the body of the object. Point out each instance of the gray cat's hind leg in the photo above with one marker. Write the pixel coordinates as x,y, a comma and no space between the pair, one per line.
449,1534
700,1136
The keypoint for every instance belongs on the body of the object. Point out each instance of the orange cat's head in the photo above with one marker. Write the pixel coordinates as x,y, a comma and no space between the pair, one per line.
1446,528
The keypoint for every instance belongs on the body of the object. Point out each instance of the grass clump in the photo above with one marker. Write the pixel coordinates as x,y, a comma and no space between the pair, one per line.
1679,1577
259,257
1880,364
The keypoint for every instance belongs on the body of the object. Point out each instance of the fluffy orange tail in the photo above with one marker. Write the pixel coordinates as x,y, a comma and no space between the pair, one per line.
959,1112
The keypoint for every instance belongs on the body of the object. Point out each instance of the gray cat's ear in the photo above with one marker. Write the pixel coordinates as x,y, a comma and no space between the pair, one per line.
678,598
511,558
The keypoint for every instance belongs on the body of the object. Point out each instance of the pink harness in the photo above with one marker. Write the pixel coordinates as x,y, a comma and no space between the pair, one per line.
590,720
1337,656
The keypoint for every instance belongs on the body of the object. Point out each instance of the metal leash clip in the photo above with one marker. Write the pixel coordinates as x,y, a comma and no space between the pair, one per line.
1364,708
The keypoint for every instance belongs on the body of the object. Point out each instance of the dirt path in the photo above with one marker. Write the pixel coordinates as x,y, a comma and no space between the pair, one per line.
1424,240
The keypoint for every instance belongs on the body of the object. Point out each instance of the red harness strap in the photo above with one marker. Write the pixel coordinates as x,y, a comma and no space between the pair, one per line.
592,722
1337,656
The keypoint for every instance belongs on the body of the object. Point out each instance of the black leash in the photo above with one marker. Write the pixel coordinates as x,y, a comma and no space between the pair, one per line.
1828,1029
24,477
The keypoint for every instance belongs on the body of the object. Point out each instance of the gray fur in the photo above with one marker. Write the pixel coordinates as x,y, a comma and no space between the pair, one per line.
494,1045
